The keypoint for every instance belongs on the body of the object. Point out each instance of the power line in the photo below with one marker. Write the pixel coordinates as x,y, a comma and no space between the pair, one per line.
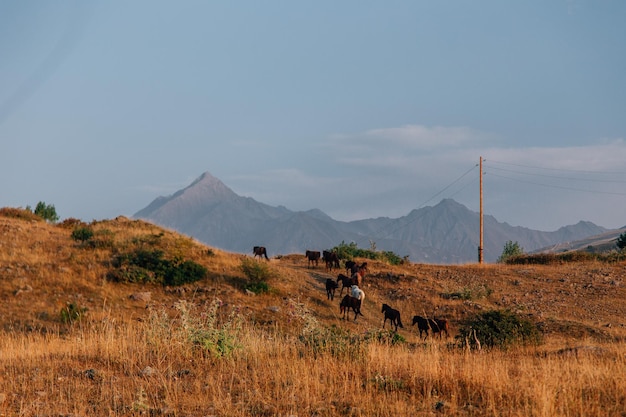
558,169
558,186
558,177
389,233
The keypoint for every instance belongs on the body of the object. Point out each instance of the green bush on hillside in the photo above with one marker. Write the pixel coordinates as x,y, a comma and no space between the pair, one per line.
498,329
511,250
566,257
150,266
82,234
351,250
258,274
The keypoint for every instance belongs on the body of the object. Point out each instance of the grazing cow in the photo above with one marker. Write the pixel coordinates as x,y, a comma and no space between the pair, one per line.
260,251
436,325
331,286
313,257
331,259
349,266
346,282
348,303
392,315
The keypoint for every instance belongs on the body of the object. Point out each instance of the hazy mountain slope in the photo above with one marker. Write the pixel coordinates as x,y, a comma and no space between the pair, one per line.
445,233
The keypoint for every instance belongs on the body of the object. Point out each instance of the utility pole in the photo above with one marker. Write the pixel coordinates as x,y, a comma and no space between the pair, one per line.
481,247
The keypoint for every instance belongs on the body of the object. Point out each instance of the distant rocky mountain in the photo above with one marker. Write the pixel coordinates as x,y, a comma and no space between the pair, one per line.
447,233
602,242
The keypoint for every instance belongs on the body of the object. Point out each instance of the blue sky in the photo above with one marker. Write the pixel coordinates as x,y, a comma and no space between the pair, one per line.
359,108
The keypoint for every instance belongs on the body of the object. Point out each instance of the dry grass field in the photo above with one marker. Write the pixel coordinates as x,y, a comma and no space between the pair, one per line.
76,343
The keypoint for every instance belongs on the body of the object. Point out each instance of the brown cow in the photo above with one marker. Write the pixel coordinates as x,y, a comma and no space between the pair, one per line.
313,257
331,259
260,251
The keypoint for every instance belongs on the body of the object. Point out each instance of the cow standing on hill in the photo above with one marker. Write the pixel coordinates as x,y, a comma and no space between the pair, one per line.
260,251
313,257
331,259
436,325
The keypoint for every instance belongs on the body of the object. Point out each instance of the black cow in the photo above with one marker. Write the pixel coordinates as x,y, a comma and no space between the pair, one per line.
331,259
313,257
436,325
260,251
331,286
392,315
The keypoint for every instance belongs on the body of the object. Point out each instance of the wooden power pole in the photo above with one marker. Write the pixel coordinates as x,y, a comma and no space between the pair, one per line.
481,247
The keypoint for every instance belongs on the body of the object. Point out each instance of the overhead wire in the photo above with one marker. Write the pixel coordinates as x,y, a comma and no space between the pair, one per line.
491,168
395,229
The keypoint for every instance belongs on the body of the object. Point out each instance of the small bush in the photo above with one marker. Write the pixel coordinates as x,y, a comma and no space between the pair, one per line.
322,340
387,337
511,250
82,234
258,287
145,266
72,313
499,329
351,251
205,332
475,293
255,271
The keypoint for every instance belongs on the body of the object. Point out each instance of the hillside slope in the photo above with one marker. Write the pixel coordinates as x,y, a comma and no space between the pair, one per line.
43,270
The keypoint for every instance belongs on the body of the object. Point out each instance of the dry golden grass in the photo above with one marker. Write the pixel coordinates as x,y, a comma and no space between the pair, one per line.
288,352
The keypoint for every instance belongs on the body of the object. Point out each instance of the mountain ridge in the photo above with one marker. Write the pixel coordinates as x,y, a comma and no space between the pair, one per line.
446,233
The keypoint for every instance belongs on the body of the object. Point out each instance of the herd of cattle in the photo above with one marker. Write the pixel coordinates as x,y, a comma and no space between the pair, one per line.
355,296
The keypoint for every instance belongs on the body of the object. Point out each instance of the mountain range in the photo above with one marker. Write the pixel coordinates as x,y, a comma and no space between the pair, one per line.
447,233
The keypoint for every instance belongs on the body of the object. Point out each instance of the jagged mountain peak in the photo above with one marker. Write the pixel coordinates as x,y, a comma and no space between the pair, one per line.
210,186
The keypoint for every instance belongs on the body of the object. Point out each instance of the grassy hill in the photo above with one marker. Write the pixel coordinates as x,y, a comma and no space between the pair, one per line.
77,341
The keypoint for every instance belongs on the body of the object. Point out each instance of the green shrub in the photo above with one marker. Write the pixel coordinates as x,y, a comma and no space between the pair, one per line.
499,329
466,293
388,337
149,265
257,287
82,234
72,313
204,330
571,256
255,271
197,328
511,250
351,251
180,273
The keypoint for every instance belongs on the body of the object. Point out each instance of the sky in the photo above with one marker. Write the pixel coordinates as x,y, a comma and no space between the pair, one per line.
359,108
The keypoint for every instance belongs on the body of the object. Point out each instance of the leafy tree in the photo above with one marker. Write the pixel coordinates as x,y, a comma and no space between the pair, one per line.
621,241
46,212
511,249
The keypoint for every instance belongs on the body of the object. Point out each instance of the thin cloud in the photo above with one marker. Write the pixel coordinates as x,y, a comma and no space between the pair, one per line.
412,137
